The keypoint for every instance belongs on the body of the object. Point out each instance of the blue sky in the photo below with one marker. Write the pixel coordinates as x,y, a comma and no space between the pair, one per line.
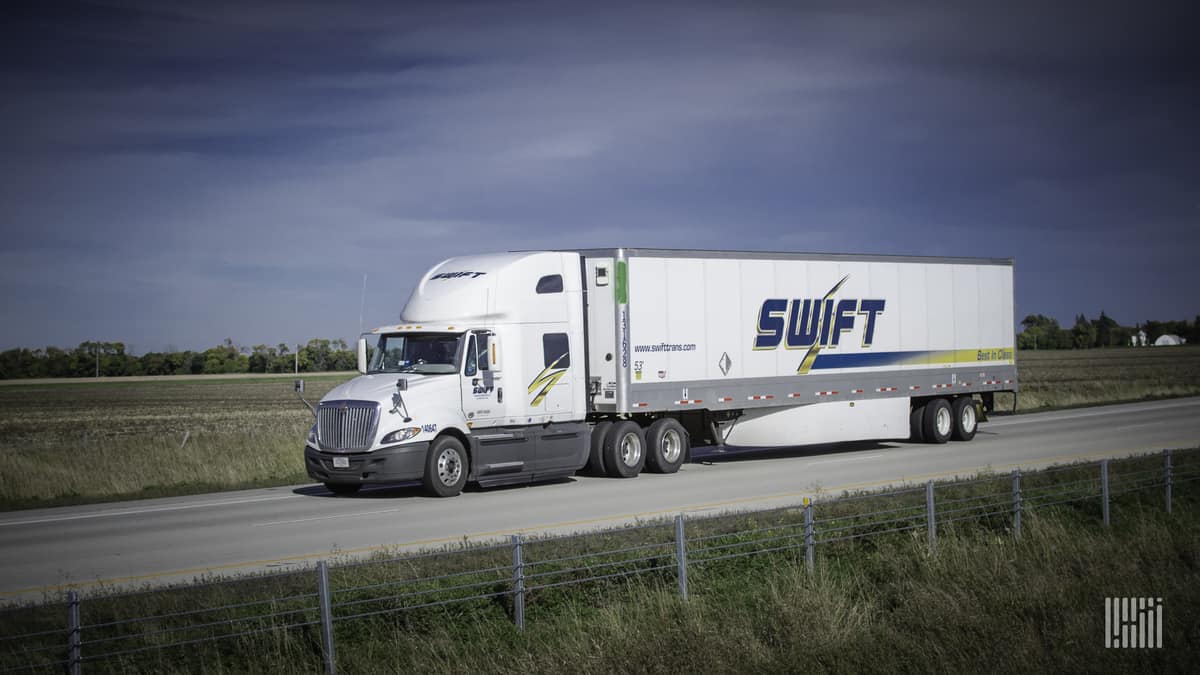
179,173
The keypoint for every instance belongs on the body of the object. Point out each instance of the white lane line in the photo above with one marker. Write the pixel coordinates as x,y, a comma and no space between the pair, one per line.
329,517
841,460
137,512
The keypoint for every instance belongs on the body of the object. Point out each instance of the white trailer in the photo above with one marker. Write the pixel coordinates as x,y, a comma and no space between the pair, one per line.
525,366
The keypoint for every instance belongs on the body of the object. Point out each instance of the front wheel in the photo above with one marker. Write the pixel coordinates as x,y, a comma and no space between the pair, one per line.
624,450
446,467
666,444
965,420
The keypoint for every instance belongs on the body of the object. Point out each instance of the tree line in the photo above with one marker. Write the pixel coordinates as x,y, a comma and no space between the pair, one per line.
108,359
1042,332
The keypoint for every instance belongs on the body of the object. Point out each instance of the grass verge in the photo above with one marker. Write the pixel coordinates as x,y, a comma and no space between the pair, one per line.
985,600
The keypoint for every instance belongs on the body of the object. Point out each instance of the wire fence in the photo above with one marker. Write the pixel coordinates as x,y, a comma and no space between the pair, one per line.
133,631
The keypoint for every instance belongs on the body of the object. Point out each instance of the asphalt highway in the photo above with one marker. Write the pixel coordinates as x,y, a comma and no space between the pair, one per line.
133,544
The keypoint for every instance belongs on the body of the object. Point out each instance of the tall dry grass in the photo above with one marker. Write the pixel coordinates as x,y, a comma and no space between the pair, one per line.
79,443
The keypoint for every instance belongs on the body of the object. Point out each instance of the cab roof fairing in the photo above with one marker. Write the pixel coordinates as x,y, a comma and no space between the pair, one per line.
481,289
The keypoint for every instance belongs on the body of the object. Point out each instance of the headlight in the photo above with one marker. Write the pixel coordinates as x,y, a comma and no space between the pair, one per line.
401,435
312,436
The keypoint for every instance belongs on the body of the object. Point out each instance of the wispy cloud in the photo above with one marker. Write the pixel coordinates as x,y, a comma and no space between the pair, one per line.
192,171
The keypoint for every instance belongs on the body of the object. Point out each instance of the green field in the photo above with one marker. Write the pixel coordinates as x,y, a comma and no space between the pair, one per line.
76,441
1065,379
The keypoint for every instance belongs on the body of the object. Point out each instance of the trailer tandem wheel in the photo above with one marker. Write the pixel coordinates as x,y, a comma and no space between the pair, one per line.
666,445
965,420
939,421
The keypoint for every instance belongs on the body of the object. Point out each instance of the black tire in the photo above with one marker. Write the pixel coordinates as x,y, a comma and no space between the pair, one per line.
343,489
446,467
667,445
938,422
624,450
966,419
595,464
916,424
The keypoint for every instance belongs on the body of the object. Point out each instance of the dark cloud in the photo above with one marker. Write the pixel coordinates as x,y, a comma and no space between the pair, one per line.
192,171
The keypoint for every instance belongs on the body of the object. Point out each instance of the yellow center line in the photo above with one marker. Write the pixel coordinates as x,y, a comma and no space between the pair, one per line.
707,506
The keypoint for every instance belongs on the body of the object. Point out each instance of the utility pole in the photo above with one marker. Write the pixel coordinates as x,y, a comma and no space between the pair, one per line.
97,349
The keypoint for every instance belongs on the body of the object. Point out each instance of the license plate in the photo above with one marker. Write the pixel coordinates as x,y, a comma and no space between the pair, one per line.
341,462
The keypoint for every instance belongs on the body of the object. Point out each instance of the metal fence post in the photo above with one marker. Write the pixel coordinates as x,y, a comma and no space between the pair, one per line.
681,555
1017,503
326,617
1104,488
1167,454
931,517
518,583
808,534
74,642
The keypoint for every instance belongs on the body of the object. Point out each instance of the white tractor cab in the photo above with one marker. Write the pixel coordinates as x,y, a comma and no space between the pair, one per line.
518,367
481,380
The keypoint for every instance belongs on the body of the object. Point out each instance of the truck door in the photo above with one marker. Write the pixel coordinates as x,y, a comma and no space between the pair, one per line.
550,398
480,386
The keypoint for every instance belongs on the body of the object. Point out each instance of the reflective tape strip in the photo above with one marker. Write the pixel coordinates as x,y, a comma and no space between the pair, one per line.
795,395
725,399
826,393
641,405
883,389
942,386
914,387
689,401
760,397
856,391
965,384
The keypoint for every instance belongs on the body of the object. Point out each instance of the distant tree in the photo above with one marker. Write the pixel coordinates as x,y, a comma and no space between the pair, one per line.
1154,330
1105,328
262,358
317,350
114,359
1041,332
1083,335
155,363
226,358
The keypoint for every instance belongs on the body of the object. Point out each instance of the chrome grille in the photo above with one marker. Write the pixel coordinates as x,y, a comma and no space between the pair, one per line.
346,426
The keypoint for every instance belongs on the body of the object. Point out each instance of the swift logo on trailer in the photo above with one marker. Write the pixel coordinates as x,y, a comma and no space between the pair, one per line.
546,380
814,323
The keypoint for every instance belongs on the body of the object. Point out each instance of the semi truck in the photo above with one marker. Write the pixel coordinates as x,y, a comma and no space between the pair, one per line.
527,366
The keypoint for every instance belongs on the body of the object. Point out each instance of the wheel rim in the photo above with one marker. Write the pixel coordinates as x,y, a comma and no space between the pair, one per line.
449,466
672,446
631,449
943,421
968,419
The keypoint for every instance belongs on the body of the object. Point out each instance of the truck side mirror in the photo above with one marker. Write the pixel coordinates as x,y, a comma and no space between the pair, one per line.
362,355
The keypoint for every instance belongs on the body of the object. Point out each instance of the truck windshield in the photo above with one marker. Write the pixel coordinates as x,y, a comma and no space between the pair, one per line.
426,354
